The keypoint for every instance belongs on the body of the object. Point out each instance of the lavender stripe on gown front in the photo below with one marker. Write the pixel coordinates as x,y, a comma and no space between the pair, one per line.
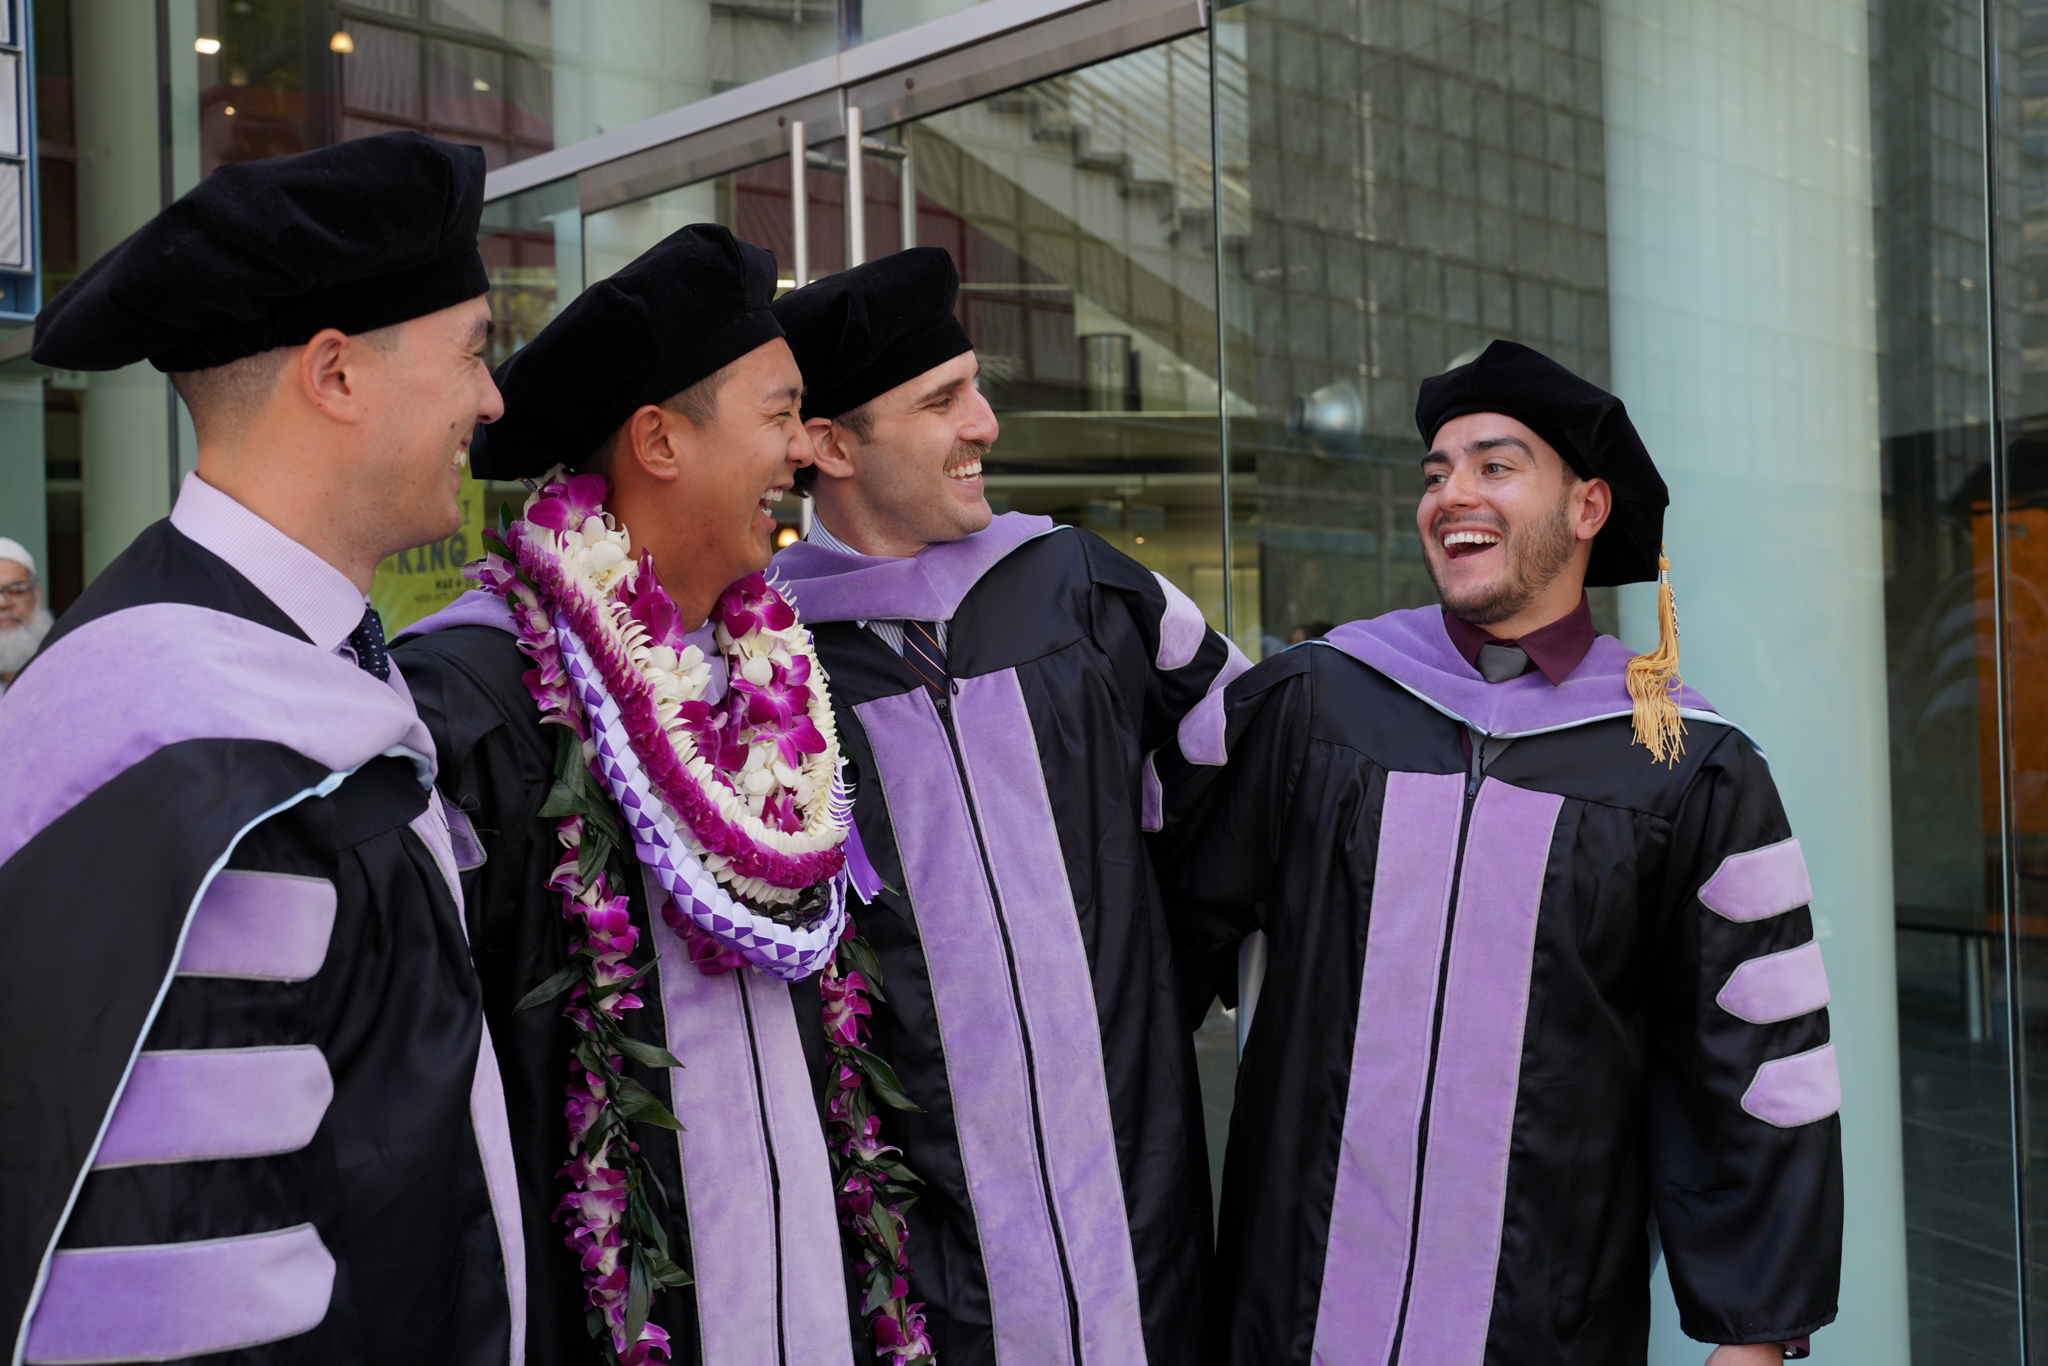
767,1294
1478,1073
1373,1208
995,1076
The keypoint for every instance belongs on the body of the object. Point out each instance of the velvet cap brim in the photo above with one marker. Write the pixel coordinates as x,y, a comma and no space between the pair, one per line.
908,357
688,307
860,333
362,235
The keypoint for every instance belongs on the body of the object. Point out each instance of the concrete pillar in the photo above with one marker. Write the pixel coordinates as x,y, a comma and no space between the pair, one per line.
24,505
1742,297
127,457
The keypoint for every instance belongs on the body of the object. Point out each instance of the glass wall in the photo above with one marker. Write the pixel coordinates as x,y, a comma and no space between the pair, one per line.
1779,230
1765,227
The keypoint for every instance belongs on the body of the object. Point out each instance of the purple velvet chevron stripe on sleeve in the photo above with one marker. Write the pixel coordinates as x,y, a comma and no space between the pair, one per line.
1759,883
828,585
1365,1264
1479,1072
173,1300
1058,992
760,1284
262,685
1777,986
1202,731
191,1105
1182,627
1797,1090
267,926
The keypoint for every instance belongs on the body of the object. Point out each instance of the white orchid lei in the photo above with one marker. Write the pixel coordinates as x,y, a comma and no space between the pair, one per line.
736,806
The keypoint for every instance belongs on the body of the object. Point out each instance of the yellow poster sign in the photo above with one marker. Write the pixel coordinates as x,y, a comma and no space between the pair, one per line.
420,582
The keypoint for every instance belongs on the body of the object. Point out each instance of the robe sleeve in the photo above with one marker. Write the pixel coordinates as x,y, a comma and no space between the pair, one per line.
1174,664
1225,825
1742,1092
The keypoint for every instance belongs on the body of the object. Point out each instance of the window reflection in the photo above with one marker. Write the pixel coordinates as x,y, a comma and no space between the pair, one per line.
515,77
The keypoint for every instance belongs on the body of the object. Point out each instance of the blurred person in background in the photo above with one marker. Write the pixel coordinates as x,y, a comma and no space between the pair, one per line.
24,617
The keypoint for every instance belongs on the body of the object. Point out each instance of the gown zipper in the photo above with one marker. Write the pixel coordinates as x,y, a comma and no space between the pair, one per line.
1474,775
1059,1240
774,1165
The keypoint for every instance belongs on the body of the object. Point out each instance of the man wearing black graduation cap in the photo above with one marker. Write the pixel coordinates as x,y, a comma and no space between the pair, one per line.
249,1104
672,380
1540,970
1000,683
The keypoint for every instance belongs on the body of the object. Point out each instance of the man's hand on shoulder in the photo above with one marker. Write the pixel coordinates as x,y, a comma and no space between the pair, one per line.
1752,1354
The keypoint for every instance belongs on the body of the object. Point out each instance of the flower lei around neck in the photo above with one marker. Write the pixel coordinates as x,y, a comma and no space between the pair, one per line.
735,805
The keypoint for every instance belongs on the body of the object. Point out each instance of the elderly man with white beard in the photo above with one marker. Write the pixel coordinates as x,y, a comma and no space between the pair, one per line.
24,616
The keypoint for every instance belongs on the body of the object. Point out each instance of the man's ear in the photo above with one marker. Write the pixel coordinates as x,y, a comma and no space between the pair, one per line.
1596,502
650,441
834,447
329,373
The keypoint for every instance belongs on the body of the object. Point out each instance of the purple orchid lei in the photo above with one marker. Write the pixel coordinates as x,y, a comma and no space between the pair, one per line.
772,703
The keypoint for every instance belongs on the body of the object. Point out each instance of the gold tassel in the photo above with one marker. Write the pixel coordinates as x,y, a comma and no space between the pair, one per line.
1653,681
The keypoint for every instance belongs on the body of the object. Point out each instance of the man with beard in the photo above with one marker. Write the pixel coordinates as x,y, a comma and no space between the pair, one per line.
1000,684
1540,965
257,1113
671,380
24,620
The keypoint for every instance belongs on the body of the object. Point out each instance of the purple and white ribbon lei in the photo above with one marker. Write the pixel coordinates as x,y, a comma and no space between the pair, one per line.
785,952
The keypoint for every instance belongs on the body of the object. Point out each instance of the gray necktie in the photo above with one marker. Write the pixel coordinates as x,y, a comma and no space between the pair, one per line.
1499,663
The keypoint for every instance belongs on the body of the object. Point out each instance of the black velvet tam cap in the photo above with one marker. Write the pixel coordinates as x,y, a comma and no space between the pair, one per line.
264,254
866,330
1585,424
692,304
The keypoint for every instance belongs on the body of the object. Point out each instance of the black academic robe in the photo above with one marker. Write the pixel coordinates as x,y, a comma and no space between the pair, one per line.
1525,990
744,1192
1031,997
242,1116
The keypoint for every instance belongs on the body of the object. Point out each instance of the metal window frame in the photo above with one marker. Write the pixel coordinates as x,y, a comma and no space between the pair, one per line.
946,62
17,37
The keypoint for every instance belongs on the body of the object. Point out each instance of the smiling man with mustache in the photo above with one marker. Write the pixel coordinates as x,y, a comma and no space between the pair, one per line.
1000,684
256,1117
1541,973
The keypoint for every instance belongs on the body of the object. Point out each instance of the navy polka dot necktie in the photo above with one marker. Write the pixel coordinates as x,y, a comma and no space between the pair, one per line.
367,640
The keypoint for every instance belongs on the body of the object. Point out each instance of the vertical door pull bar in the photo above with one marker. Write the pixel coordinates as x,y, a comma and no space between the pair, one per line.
799,207
856,197
906,193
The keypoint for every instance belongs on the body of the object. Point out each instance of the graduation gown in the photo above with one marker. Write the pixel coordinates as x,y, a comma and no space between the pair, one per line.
1526,989
746,1188
1031,1008
245,1095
